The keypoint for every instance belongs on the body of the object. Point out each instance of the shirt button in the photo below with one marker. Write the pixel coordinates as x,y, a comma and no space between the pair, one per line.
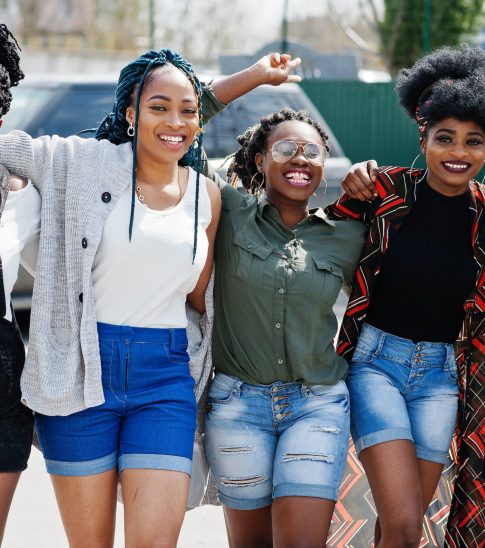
80,297
106,197
280,362
277,325
281,290
250,246
84,243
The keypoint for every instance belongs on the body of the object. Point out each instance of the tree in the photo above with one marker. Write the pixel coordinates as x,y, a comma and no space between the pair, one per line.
403,27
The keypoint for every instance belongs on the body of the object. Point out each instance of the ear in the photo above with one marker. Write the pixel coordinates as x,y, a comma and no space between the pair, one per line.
130,115
259,161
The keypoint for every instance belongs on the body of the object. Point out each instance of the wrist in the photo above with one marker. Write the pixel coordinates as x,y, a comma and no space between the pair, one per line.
256,75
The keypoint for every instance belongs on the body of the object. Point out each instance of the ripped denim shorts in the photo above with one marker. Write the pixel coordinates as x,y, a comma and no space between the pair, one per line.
276,440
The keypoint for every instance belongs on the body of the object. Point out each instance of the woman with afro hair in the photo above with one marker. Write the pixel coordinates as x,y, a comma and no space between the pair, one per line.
19,224
413,329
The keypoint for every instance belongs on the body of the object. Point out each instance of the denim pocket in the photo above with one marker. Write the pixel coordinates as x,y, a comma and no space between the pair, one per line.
6,372
331,390
223,389
12,357
177,353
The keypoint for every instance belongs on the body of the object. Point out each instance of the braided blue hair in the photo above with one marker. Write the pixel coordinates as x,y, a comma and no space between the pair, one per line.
114,126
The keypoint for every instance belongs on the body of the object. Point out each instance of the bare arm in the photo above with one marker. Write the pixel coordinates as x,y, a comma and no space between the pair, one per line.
274,69
197,297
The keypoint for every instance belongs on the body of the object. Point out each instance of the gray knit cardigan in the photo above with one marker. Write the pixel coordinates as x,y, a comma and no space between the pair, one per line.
80,181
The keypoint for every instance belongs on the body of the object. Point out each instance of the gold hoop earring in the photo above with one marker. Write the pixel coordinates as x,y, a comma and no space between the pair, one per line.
252,183
131,130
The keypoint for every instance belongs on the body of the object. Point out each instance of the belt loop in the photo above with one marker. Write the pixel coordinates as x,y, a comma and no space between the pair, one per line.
380,342
172,342
450,353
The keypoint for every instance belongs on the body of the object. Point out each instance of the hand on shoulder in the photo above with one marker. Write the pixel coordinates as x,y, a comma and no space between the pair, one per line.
17,183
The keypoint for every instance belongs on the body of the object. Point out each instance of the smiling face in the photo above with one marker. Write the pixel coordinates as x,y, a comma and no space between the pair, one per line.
455,153
296,179
168,116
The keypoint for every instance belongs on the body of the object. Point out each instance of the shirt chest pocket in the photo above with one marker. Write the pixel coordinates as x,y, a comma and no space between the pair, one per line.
327,280
251,259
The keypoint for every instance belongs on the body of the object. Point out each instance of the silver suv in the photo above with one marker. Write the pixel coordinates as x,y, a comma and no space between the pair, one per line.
65,106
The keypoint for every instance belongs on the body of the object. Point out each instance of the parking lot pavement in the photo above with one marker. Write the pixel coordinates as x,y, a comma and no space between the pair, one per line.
34,520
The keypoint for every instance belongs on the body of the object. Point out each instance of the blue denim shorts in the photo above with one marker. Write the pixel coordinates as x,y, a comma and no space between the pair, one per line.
277,440
148,417
403,390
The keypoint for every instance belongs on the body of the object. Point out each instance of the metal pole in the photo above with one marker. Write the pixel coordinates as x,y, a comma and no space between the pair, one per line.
284,28
151,24
427,26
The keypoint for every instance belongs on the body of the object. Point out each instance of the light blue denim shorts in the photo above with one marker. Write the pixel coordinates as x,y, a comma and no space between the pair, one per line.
276,440
403,390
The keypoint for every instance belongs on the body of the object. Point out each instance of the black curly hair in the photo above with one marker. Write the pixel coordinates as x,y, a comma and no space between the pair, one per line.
243,165
10,73
447,83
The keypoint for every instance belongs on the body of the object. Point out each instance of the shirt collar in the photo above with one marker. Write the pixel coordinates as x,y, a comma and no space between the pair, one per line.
316,213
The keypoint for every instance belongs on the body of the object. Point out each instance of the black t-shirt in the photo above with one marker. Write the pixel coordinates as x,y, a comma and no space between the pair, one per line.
428,271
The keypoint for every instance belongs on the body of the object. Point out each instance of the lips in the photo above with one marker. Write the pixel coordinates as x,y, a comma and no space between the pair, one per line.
456,167
298,178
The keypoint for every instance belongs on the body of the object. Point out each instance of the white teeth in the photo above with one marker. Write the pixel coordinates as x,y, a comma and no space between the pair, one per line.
171,138
456,166
297,175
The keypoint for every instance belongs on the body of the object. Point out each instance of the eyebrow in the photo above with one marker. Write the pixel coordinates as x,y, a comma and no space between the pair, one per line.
454,131
169,99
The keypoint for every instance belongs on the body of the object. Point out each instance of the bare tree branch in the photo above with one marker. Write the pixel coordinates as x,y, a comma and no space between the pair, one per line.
345,26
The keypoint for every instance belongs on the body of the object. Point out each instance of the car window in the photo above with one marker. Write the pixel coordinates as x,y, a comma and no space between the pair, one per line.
27,102
221,132
80,109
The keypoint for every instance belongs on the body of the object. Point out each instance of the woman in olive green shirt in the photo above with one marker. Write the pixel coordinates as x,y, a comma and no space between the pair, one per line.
277,426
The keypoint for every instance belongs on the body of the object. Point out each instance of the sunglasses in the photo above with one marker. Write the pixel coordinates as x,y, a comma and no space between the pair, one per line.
282,151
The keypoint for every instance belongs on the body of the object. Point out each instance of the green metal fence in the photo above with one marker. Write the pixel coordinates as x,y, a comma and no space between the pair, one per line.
366,120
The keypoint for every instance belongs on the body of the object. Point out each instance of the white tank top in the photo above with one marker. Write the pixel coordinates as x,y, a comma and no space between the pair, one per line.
145,282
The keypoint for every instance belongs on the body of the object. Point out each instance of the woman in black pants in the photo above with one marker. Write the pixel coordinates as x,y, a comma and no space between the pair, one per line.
19,223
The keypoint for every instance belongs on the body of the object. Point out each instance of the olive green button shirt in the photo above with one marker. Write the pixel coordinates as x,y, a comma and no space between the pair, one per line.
274,292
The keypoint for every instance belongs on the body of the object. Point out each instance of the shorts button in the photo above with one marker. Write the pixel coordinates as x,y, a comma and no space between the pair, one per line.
276,398
106,197
279,416
277,407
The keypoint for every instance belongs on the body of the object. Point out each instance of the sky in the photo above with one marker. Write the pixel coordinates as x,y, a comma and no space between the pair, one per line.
268,13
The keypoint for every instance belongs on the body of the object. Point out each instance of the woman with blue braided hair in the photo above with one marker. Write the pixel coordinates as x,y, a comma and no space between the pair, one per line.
107,372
